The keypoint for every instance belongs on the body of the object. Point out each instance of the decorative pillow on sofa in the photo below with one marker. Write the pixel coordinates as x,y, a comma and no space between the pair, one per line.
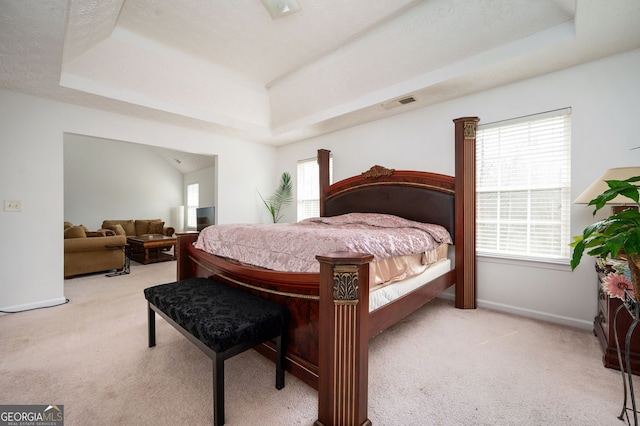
118,229
142,226
156,227
127,225
75,232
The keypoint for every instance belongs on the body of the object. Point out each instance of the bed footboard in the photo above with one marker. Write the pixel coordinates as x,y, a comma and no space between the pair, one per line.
299,292
335,318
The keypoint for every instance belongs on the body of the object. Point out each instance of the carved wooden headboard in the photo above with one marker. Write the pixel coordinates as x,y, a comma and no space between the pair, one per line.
419,196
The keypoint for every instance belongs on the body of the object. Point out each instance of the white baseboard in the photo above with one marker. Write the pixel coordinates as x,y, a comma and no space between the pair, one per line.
35,305
529,313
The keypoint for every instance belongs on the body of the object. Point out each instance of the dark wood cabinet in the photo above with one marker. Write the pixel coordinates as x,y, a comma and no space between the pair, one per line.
604,329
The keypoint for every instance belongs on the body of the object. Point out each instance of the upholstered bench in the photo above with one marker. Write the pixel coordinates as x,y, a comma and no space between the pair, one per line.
220,320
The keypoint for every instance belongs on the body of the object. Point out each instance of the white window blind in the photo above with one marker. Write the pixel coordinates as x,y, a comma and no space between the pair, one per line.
193,201
523,185
308,187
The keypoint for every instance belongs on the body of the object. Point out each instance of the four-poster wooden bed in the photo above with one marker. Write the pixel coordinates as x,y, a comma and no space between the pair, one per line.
330,319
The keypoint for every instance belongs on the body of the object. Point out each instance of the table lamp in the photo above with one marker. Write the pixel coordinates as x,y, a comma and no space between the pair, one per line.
619,203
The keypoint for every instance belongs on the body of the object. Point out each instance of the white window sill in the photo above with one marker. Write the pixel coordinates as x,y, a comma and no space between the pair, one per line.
528,262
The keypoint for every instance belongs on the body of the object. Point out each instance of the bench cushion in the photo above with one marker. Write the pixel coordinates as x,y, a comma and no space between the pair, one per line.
218,315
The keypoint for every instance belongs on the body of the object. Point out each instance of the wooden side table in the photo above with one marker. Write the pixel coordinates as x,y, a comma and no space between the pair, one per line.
606,330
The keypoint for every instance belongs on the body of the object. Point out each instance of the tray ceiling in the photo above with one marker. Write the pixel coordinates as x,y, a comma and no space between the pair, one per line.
228,67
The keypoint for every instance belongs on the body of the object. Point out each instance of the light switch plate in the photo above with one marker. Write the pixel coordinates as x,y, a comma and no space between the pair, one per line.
12,205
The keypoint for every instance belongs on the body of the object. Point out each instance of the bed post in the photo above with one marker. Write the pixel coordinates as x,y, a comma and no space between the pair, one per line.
465,211
185,268
343,339
323,167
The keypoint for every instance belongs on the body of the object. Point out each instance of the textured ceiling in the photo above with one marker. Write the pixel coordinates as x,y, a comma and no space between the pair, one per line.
227,67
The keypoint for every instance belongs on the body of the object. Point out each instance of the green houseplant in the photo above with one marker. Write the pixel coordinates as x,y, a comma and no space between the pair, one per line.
282,196
617,234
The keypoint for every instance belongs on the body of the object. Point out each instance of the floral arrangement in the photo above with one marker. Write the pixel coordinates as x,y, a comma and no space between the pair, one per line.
617,278
615,284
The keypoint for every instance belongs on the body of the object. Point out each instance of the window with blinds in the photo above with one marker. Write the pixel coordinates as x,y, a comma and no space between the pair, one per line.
193,200
523,185
308,187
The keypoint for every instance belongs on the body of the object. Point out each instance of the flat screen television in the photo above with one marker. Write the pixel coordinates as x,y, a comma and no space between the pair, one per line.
205,216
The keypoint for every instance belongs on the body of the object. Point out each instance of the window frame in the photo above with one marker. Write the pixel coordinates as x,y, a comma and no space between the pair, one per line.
313,187
557,121
192,205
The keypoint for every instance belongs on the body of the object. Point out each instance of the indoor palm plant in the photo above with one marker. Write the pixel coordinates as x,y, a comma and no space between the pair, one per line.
618,234
282,196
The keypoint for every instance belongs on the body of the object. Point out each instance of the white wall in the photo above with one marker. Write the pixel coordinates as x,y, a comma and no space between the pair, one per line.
604,99
107,179
31,170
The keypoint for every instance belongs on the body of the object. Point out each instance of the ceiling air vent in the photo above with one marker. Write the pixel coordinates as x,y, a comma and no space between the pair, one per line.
398,102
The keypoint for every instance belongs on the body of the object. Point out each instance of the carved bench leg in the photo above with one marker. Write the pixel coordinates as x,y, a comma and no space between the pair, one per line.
280,359
151,325
218,390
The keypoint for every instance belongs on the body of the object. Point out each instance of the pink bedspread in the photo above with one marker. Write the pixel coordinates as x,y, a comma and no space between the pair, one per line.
293,247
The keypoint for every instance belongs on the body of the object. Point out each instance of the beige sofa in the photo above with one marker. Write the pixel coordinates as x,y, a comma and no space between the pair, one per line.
87,252
132,228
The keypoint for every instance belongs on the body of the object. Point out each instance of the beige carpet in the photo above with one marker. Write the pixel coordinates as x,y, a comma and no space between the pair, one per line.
441,366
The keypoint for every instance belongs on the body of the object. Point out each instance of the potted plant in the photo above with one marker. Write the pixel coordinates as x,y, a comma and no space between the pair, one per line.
282,196
618,234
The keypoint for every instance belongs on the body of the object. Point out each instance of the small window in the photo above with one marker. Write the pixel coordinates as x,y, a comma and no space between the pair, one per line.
308,187
523,185
193,201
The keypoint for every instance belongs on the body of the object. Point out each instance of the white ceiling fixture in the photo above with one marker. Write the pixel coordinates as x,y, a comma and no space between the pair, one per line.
281,8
